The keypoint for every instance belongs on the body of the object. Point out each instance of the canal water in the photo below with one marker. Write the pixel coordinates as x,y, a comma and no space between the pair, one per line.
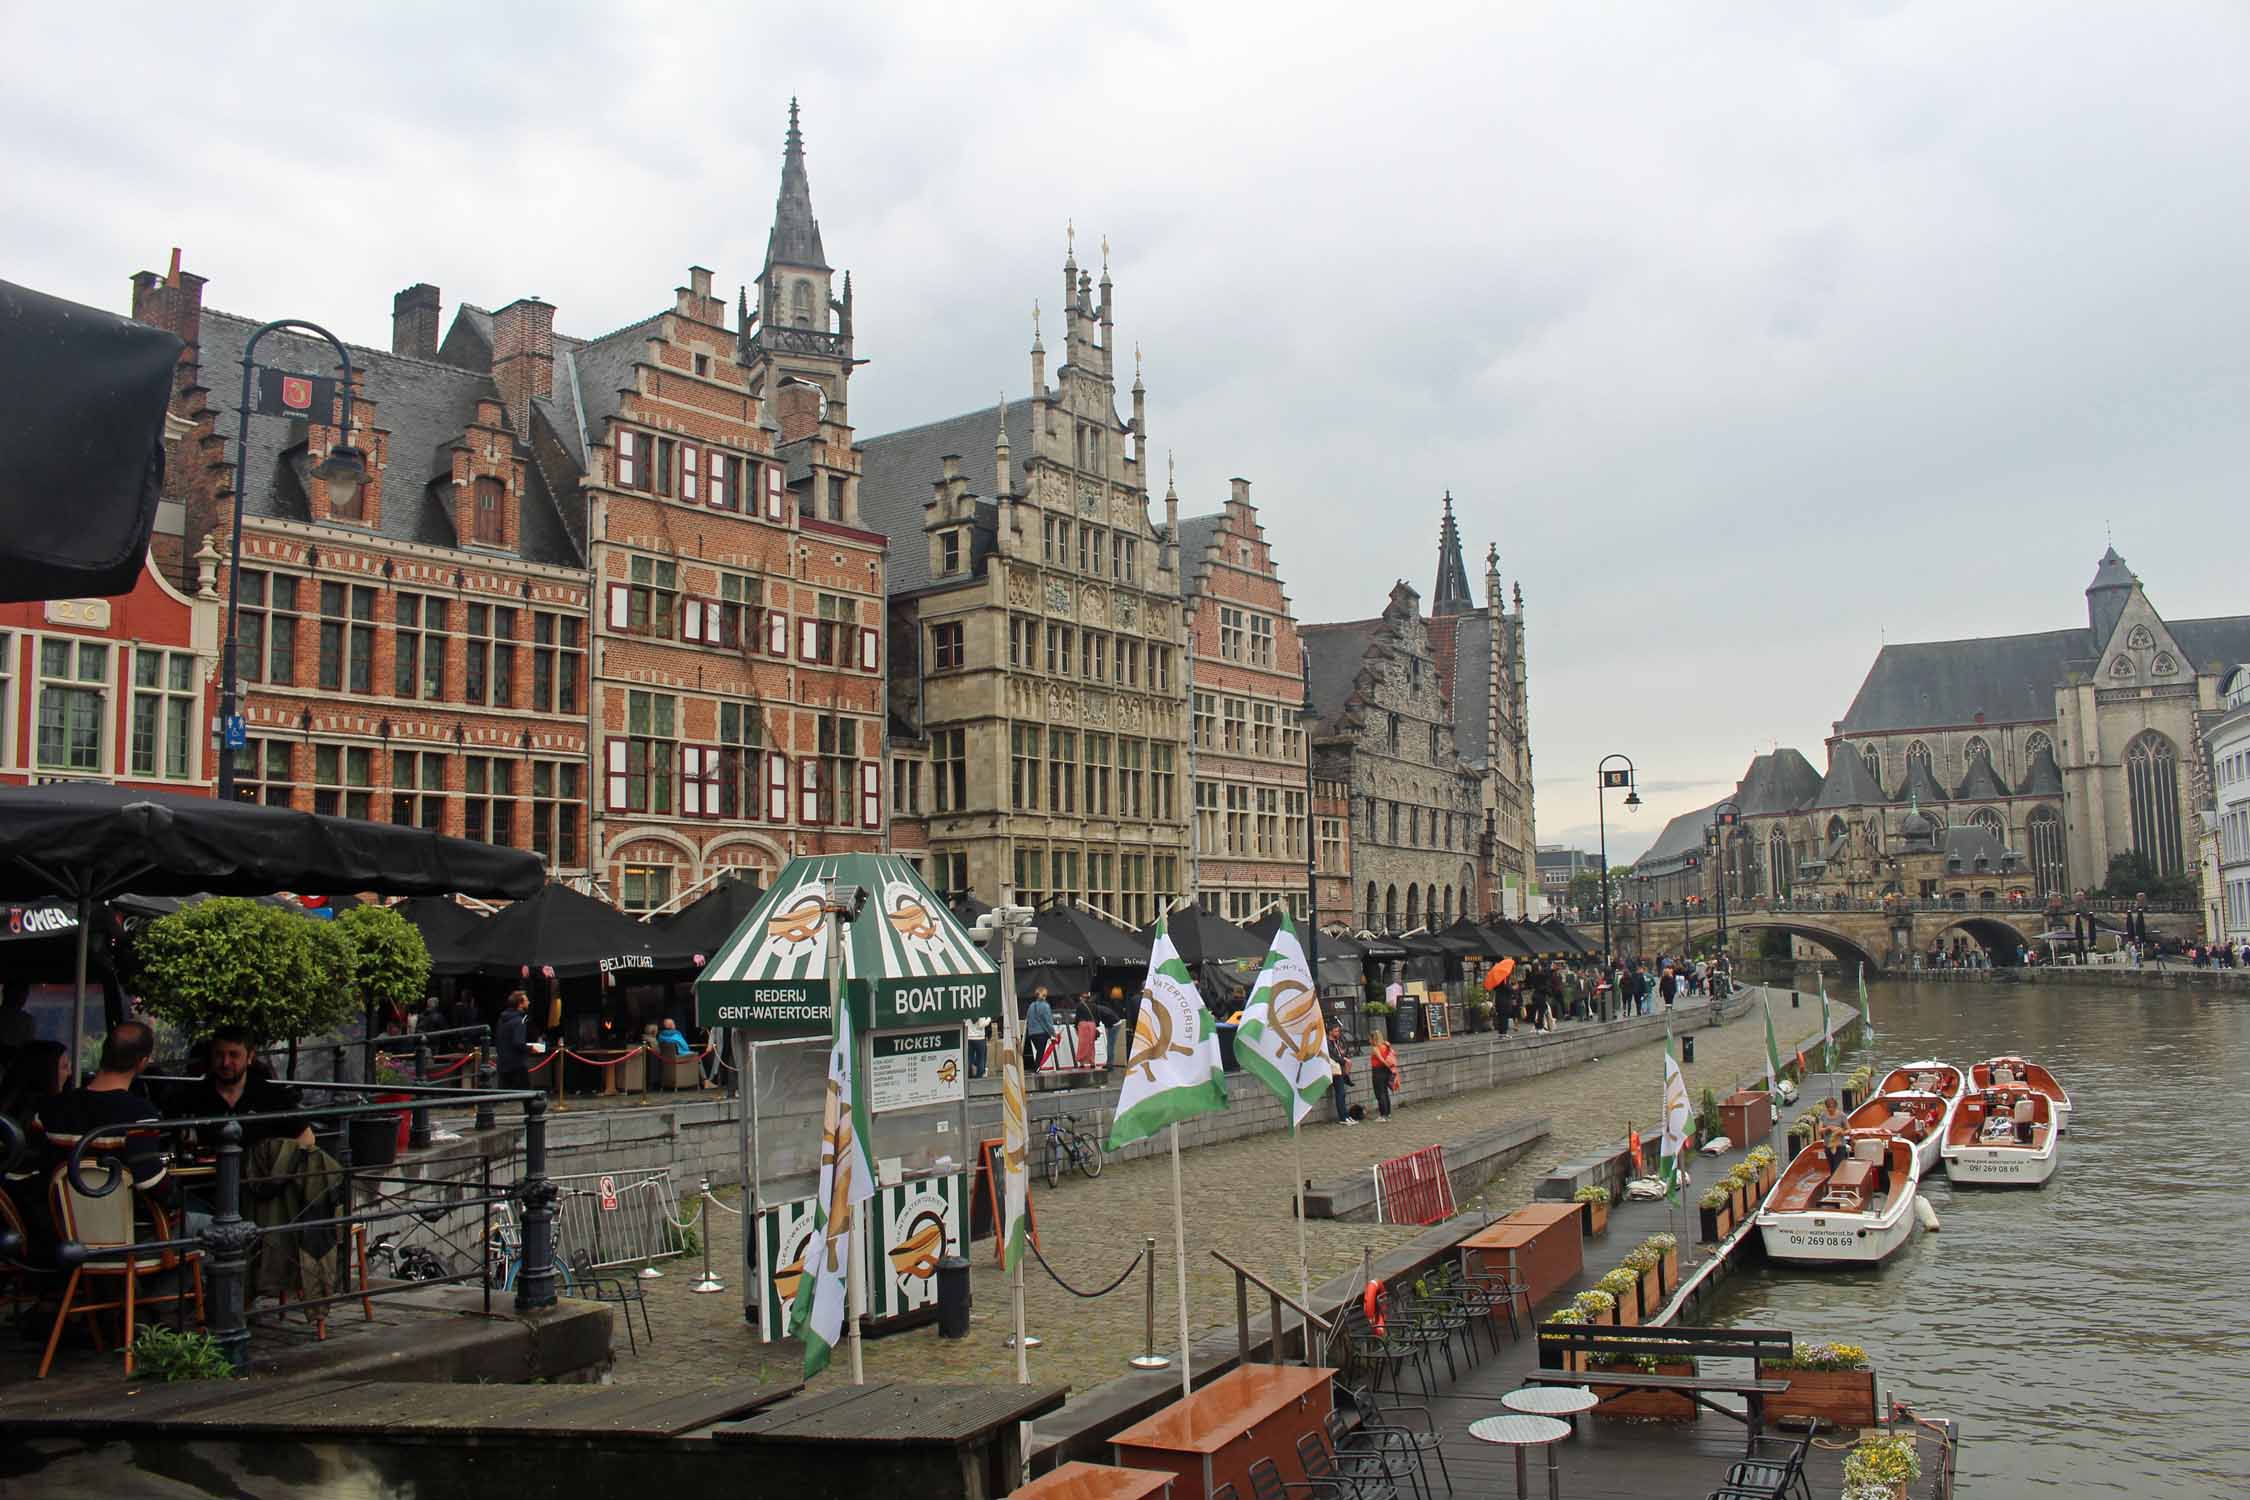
2092,1337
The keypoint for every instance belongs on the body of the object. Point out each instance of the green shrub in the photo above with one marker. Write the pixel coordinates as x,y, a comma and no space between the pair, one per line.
161,1354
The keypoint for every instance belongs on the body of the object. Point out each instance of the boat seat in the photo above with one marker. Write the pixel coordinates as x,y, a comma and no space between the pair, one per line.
2024,1112
1867,1149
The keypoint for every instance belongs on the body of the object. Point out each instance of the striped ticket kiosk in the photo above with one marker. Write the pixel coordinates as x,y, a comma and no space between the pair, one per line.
863,933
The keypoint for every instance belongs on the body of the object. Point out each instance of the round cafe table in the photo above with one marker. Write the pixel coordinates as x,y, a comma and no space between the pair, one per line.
1564,1401
1520,1431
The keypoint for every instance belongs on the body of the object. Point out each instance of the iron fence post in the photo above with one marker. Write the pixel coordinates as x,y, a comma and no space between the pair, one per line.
487,1078
535,1287
227,1241
418,1132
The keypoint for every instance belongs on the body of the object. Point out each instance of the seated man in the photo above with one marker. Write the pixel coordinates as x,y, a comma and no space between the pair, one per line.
107,1101
669,1038
234,1082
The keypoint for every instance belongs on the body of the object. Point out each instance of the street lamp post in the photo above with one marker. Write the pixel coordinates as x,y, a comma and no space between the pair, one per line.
1605,778
344,465
1723,818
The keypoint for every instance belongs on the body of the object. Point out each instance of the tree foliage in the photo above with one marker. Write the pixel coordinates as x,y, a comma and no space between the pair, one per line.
1585,892
235,962
2134,874
389,962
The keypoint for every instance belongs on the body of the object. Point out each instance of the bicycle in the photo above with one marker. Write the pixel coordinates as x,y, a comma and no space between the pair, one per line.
1064,1140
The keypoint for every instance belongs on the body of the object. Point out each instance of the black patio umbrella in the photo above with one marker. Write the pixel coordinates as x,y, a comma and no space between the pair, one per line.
86,842
1103,945
1511,940
698,929
1465,939
1203,938
449,930
568,932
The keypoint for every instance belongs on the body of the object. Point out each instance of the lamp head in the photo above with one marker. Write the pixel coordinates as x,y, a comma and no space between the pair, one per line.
344,472
1632,799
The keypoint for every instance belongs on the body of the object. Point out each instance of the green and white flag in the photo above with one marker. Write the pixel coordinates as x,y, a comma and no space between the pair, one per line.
1015,1147
1827,1031
1281,1041
847,1179
1172,1072
1679,1121
1866,1016
1773,1052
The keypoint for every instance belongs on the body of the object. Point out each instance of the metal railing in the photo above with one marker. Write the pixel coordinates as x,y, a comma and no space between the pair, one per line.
227,1242
1277,1299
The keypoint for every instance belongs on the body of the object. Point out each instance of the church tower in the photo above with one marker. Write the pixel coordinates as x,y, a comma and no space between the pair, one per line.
1451,596
800,332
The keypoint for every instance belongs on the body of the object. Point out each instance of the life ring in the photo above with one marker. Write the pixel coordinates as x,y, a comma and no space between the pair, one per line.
1372,1302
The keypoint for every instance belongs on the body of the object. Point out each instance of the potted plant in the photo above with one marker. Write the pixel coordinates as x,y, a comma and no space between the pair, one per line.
1646,1264
1882,1463
1480,1015
1763,1160
1803,1132
1667,1248
1707,1123
1742,1179
1593,1205
1664,1406
1568,1317
1624,1287
1831,1383
1717,1205
1856,1087
1600,1307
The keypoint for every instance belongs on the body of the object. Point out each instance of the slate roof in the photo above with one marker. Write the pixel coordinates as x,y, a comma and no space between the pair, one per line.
2215,644
1681,837
1335,653
1196,536
605,368
1781,782
1980,783
1849,783
1921,785
424,405
1472,686
898,470
2043,778
1966,843
2008,679
2106,596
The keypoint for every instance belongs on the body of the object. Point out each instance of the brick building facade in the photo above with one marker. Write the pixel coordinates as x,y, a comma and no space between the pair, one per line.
1246,706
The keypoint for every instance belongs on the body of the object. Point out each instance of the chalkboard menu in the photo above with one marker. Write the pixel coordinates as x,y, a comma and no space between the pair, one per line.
1438,1014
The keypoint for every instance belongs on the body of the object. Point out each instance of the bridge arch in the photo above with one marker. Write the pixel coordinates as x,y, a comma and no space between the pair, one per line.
1994,934
1844,949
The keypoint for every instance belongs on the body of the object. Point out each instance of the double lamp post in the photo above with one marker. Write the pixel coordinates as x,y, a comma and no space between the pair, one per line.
1607,777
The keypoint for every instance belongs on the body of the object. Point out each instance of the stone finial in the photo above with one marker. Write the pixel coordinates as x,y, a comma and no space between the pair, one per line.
207,568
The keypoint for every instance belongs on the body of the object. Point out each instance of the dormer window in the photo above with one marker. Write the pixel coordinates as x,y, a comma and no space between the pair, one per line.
949,551
486,512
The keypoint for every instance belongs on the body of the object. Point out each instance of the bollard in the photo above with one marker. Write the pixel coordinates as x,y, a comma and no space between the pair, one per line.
1148,1358
535,1287
226,1246
487,1078
1687,1047
418,1131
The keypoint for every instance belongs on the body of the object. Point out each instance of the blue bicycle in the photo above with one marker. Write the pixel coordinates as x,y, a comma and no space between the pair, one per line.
1066,1141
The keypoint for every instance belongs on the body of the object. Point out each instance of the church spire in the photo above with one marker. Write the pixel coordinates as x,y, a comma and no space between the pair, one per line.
795,240
1452,596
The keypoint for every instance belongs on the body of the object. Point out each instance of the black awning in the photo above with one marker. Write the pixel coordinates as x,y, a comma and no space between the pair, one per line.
697,930
1203,938
449,930
85,840
82,399
574,935
1100,944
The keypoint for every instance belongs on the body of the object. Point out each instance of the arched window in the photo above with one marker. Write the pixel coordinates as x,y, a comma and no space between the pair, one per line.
1975,750
2044,833
1449,906
2163,666
801,309
1873,755
1917,754
1390,909
1368,913
2140,639
1468,887
1778,864
1989,820
1835,829
1413,906
1429,903
2122,667
2152,778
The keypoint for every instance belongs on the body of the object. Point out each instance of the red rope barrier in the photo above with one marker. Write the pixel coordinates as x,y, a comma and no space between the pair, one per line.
454,1067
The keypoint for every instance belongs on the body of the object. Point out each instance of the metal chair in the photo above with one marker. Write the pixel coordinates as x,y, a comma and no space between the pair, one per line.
1369,1474
1376,1426
1376,1353
1508,1292
106,1223
623,1290
1775,1467
1266,1483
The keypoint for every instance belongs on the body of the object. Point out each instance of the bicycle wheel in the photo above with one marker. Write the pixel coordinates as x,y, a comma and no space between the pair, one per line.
1089,1156
1054,1162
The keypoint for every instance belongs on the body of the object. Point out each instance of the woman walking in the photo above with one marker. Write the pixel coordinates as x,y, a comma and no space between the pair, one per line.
1382,1071
1088,1024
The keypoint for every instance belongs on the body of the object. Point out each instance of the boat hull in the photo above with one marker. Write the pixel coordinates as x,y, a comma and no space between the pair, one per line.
1836,1239
2000,1166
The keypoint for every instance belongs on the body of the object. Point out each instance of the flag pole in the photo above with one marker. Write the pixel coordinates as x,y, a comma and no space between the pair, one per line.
1006,944
1179,1255
1304,1267
840,997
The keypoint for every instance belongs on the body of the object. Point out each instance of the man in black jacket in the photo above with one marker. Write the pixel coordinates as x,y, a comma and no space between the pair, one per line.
511,1048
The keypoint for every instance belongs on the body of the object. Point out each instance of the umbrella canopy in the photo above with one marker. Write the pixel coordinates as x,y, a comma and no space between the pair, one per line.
1464,939
449,930
1203,938
1506,940
1381,949
905,960
82,840
567,931
1102,944
699,928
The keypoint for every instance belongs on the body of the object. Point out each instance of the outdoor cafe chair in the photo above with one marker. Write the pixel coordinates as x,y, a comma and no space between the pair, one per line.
622,1290
1377,1354
107,1223
1266,1483
1369,1474
1377,1425
1480,1299
16,1287
1505,1292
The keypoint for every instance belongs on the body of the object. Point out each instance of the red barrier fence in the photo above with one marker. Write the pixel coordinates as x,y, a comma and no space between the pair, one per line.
1414,1188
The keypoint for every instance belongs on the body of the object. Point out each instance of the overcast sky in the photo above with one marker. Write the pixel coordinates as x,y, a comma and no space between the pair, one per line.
1751,332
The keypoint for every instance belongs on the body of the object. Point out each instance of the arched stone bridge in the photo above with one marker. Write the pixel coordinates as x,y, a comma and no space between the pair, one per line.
1870,936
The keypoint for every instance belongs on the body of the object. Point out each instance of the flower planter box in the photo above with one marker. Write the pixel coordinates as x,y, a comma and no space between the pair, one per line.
1627,1312
1652,1294
1799,1141
1852,1099
1662,1406
1747,1116
1668,1277
1840,1398
1595,1217
1716,1222
1743,1198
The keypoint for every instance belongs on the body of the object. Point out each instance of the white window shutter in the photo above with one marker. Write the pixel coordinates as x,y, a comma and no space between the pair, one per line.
627,452
691,781
774,492
867,649
870,793
718,489
688,460
808,782
691,620
617,778
620,606
777,787
808,639
777,633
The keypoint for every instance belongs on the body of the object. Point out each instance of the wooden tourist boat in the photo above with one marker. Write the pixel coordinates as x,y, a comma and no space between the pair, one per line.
2003,1136
2001,1072
1926,1077
1856,1215
1911,1115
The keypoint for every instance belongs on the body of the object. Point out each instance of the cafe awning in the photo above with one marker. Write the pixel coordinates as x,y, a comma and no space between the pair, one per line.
697,930
905,960
449,930
561,933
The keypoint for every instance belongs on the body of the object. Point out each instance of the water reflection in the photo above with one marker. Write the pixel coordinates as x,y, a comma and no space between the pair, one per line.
2089,1334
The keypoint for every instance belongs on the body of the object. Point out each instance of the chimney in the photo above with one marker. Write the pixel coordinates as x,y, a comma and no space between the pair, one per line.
414,321
796,406
1241,491
172,302
523,357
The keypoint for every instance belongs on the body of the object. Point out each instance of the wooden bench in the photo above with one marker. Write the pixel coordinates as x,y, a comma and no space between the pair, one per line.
1559,1341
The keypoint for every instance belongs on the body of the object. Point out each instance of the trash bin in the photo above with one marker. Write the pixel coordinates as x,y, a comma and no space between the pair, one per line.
953,1297
1687,1047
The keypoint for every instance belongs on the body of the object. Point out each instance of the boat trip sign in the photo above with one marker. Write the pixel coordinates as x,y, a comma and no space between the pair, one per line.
905,961
910,1069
